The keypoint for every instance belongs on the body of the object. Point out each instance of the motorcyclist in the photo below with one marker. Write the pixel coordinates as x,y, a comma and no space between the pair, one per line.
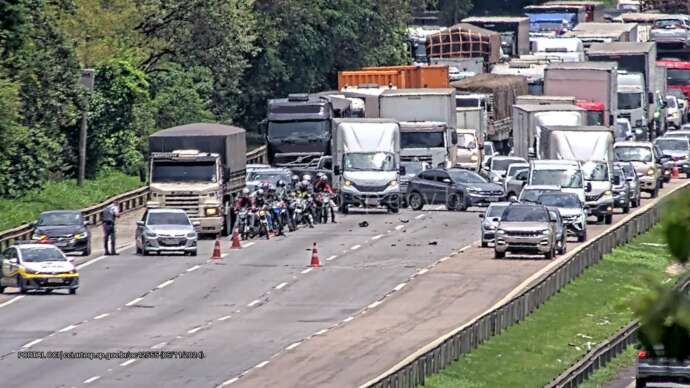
260,203
304,188
243,200
294,181
322,186
281,190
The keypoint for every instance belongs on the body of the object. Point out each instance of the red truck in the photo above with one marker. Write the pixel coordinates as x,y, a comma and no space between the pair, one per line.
595,111
678,76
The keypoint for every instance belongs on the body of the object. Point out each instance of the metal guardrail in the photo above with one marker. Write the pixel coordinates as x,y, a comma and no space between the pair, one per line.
600,356
437,355
129,201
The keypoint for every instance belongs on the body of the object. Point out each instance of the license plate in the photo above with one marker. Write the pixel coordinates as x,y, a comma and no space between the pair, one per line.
170,241
372,202
55,280
60,244
491,199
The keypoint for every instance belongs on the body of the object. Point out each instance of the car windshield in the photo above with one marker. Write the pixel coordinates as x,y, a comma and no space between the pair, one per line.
290,131
568,178
595,171
369,161
564,200
42,254
502,164
633,154
672,144
663,23
59,219
525,214
167,219
595,118
629,100
465,176
671,102
467,141
488,148
268,177
174,171
533,195
678,77
495,211
466,102
422,140
514,170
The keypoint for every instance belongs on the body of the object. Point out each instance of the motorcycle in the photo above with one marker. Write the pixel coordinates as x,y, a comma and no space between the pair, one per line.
263,223
280,217
243,225
323,206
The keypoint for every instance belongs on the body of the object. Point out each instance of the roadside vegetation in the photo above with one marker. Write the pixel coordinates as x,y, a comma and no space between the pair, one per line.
63,195
584,313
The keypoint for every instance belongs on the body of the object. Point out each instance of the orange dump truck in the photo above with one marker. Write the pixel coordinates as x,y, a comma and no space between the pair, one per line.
402,77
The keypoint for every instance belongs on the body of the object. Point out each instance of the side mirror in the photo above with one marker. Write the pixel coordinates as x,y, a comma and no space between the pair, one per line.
140,223
513,200
33,224
588,187
336,170
403,170
454,138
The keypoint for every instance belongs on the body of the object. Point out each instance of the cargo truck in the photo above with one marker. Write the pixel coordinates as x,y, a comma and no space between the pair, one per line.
558,49
545,100
366,163
589,81
198,168
409,76
660,93
590,33
593,147
529,119
593,9
632,100
576,13
476,43
420,111
514,32
634,57
497,95
532,70
678,75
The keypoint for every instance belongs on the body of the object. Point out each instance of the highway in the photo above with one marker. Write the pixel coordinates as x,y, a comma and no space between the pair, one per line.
262,317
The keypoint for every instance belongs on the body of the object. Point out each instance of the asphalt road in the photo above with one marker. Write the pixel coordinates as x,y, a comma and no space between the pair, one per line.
262,317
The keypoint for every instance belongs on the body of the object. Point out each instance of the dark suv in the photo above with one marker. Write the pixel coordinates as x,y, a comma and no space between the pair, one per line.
456,188
66,229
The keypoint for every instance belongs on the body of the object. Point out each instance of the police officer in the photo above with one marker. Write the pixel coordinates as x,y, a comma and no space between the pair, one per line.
108,216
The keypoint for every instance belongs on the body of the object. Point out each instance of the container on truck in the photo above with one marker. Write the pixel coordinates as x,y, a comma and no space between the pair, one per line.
550,25
514,32
532,70
632,99
408,76
593,9
500,92
593,147
198,168
417,107
577,12
298,129
558,49
678,75
545,100
632,57
476,43
529,119
589,81
590,33
366,163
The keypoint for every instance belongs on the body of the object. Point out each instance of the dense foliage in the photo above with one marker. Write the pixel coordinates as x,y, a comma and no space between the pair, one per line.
161,63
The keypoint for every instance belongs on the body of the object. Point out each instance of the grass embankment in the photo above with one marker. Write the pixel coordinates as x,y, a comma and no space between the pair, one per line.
63,195
584,313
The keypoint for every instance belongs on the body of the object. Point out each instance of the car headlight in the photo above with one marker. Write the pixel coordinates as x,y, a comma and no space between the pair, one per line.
500,231
393,184
492,227
545,232
474,158
38,236
191,235
650,172
211,211
608,193
150,234
496,179
80,236
347,183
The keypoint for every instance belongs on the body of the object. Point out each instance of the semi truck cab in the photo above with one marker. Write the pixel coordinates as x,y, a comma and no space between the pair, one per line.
678,75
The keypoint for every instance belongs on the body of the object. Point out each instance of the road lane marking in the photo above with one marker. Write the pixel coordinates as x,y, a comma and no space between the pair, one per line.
348,319
134,301
296,344
32,343
400,286
322,331
129,362
97,317
194,330
261,364
306,271
228,382
441,260
166,283
331,258
254,303
9,302
88,263
423,271
68,328
91,379
419,217
158,346
247,245
193,268
399,227
356,247
223,318
378,236
378,302
281,285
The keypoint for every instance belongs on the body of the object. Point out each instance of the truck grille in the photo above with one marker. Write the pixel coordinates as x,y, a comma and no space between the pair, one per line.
187,202
370,189
425,158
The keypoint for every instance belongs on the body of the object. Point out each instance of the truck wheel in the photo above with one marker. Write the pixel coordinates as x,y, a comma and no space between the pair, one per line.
608,219
227,221
499,255
2,289
87,251
582,237
484,244
639,383
344,208
415,201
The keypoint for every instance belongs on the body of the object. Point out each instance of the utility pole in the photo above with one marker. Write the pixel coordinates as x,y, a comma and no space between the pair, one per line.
87,81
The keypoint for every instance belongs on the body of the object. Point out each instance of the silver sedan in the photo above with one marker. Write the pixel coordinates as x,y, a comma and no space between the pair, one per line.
164,231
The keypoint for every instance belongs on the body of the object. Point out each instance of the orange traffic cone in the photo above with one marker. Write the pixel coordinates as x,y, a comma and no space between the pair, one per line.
235,239
216,251
675,172
315,257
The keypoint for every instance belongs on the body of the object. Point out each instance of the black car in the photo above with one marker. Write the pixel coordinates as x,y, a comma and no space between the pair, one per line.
66,229
456,188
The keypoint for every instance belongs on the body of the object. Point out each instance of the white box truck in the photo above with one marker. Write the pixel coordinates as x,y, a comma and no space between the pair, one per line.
529,119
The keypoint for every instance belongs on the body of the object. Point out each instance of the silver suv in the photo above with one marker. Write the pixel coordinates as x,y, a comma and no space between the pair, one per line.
526,229
672,30
166,230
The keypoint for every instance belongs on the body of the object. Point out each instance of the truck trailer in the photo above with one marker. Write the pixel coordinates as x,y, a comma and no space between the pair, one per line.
198,168
514,32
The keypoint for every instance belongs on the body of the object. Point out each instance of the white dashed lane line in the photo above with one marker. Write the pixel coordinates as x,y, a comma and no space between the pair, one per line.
322,331
423,271
283,284
194,268
158,346
400,286
88,263
68,328
378,236
228,382
9,302
165,283
97,317
378,302
254,303
134,301
129,362
91,379
261,364
331,258
226,317
399,227
306,271
356,247
194,330
419,217
296,344
32,343
348,319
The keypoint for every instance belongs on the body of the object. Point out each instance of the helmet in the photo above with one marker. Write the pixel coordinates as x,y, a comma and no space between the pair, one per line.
305,183
295,178
265,186
323,177
245,191
280,183
307,178
260,192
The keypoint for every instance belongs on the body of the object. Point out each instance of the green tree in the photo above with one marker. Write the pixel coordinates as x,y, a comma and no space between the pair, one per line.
181,97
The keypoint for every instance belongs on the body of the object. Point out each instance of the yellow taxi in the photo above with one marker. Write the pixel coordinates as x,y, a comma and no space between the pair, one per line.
39,267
